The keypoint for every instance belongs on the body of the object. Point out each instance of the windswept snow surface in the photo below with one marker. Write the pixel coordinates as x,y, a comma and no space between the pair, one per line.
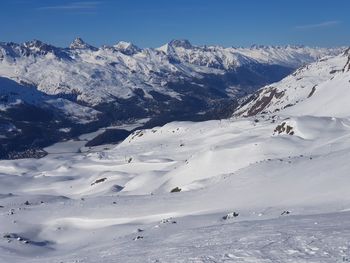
116,206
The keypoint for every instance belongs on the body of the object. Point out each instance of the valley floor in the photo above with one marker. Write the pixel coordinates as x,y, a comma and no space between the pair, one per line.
252,190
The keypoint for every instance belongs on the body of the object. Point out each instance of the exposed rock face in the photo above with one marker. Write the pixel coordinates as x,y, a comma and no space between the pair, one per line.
265,98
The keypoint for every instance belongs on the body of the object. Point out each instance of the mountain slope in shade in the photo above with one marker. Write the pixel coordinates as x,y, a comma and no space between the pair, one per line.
13,95
320,89
30,119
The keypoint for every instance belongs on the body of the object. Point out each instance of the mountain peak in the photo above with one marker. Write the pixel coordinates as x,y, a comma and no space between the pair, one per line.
127,48
184,43
35,44
79,43
256,46
38,47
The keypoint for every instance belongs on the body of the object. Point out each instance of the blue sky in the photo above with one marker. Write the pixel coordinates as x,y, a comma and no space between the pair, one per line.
151,23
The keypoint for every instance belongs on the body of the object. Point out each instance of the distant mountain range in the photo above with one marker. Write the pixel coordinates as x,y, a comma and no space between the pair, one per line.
98,75
49,93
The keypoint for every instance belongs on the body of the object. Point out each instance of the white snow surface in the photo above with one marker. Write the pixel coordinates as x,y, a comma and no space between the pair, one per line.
88,207
244,190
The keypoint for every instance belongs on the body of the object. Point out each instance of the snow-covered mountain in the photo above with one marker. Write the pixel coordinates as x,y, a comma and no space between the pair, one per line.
87,86
320,89
30,119
270,187
233,57
13,94
98,75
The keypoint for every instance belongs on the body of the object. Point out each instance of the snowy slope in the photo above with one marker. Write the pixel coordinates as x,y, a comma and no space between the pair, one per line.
320,89
267,188
89,207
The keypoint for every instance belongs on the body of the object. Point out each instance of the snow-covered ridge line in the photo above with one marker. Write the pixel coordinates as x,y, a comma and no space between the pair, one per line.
96,75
